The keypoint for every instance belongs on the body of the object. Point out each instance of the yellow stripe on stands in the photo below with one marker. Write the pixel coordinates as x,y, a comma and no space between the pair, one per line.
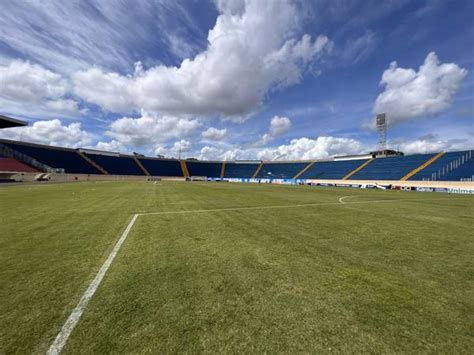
305,169
359,168
93,163
422,166
257,171
140,165
184,168
223,169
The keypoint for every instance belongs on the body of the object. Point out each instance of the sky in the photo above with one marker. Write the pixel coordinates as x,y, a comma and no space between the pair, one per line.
239,79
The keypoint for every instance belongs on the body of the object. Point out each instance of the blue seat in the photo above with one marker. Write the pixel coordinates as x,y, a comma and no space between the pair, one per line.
58,158
117,165
391,168
430,171
328,170
240,170
280,170
202,168
162,167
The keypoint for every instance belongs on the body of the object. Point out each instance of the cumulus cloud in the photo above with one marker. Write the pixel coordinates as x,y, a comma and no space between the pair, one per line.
25,87
432,144
409,94
278,126
150,129
297,149
253,49
176,150
112,146
52,132
214,134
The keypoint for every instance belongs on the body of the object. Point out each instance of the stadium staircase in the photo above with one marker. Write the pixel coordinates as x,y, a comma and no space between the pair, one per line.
359,168
223,169
422,166
8,152
140,165
184,168
305,169
93,163
257,170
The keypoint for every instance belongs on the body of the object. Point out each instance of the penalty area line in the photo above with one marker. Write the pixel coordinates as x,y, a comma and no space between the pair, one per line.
76,314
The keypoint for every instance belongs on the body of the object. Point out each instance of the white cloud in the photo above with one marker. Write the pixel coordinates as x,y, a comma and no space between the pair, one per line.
410,94
297,149
51,132
278,126
112,146
27,87
433,144
252,50
151,129
176,150
214,134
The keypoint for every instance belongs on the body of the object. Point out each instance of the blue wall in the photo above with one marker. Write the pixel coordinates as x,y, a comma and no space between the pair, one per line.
280,170
331,169
117,165
237,170
209,169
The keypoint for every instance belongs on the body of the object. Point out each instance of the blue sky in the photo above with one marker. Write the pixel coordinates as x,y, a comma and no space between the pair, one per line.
239,79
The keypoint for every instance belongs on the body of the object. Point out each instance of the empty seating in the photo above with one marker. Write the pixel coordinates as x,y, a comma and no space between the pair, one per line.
327,170
391,168
209,169
276,170
54,157
434,171
162,167
240,170
11,164
116,165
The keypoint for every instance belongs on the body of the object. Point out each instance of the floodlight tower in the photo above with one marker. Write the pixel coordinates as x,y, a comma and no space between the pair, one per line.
381,124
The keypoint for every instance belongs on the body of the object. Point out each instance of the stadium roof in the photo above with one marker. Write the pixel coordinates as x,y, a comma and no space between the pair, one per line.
8,122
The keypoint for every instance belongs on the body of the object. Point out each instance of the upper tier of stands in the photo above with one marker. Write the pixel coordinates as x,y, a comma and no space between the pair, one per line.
162,167
240,170
54,157
209,169
280,170
116,165
331,169
391,168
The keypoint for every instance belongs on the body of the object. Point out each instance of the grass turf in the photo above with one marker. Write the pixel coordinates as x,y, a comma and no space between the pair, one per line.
392,276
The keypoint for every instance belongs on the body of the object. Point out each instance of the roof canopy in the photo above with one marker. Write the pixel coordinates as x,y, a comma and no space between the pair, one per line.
7,122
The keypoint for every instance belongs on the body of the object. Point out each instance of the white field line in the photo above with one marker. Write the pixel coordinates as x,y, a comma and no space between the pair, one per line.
76,314
341,199
278,206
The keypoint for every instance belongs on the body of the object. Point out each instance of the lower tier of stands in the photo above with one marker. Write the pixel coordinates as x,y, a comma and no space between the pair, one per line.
11,164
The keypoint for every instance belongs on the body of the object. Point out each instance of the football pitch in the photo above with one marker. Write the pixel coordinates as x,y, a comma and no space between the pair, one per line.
235,268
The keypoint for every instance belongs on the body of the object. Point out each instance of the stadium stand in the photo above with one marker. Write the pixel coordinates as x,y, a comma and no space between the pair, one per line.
240,170
446,164
29,157
280,170
331,169
116,165
391,168
209,169
162,167
55,157
11,164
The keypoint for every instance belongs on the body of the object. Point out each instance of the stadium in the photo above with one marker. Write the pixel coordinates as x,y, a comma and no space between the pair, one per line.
166,255
236,176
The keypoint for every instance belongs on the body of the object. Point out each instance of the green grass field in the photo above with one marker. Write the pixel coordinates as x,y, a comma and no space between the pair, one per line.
387,271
